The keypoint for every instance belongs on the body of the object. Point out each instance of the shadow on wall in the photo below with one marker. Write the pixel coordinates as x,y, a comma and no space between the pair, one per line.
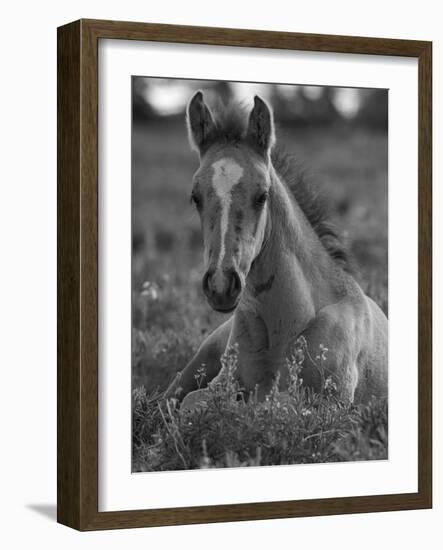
48,511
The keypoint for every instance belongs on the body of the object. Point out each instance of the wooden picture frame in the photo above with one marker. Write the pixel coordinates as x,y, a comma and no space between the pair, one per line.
77,455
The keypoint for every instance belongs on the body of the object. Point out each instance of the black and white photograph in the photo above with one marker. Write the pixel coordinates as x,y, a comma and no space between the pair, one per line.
218,277
259,274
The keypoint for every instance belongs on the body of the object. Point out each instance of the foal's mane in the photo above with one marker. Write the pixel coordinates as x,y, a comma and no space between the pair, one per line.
230,128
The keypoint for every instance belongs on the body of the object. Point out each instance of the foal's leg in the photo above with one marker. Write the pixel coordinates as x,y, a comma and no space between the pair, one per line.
207,357
338,328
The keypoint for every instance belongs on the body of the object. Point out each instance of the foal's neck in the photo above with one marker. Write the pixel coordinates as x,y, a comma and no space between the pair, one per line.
293,276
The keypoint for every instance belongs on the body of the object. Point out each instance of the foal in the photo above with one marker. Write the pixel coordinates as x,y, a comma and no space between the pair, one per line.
272,260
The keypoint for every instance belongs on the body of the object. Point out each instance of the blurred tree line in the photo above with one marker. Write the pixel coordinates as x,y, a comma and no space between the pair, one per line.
293,105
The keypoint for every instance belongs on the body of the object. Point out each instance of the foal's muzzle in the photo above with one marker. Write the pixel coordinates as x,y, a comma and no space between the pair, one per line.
222,289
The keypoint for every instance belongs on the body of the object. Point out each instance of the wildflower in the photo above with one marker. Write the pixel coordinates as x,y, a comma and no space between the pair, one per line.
229,361
294,363
200,375
330,386
323,352
205,460
150,291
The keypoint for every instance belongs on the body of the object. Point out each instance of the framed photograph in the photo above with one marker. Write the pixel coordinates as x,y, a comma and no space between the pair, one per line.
240,212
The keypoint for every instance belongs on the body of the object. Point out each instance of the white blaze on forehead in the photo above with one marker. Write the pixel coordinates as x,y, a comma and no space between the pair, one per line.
227,173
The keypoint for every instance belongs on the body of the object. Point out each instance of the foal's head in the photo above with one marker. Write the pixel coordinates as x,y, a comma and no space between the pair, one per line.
230,191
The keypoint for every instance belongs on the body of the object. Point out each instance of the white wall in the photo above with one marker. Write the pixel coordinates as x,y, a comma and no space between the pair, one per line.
28,272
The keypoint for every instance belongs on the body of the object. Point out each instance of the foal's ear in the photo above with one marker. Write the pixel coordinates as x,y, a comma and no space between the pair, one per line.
260,133
200,123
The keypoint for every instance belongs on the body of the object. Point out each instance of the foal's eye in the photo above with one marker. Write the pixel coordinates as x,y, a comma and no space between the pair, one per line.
196,199
261,199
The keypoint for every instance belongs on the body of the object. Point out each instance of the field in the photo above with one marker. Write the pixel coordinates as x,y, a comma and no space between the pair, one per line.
171,317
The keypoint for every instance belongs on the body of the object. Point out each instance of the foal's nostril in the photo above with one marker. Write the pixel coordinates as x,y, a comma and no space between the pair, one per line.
229,289
206,283
234,284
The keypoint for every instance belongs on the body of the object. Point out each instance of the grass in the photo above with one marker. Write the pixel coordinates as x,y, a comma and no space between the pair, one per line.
227,430
171,317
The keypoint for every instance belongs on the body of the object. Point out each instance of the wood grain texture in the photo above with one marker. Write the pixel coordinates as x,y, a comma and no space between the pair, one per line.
425,273
77,172
254,38
68,275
